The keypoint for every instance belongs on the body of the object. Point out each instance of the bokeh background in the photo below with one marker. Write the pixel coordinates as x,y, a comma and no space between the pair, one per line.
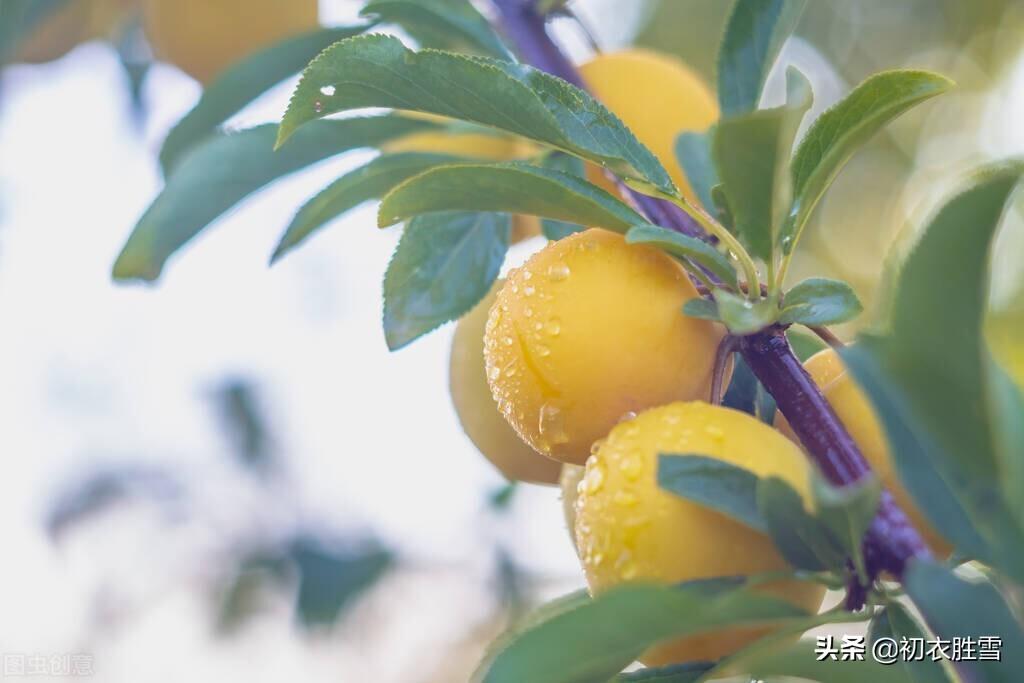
226,475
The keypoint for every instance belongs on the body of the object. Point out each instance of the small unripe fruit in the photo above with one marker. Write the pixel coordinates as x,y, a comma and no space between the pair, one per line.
587,332
628,528
476,409
858,416
657,97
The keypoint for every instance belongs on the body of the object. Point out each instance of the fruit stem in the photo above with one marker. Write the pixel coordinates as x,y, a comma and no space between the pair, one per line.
826,335
891,540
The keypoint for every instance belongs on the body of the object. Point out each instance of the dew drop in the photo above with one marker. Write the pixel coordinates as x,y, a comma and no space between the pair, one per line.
625,498
528,290
543,351
594,478
632,467
327,90
551,424
553,327
558,272
318,106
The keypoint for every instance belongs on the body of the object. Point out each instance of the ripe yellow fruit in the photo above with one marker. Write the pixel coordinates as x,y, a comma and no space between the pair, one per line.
857,414
628,528
203,37
657,97
476,409
590,330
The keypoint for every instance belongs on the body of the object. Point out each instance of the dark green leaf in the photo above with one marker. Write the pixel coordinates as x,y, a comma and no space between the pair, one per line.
566,163
803,540
678,673
441,24
955,607
799,661
596,640
820,301
840,131
1006,405
743,316
444,264
512,187
753,37
693,150
751,153
243,82
928,377
847,511
378,71
742,392
712,483
894,622
220,172
329,580
705,309
691,248
372,181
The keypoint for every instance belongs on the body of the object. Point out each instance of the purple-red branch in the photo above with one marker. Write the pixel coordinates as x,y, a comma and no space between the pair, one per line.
891,541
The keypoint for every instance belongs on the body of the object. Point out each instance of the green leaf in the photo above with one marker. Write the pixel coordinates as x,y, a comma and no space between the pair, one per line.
955,607
441,23
691,248
895,623
1006,405
751,153
742,392
693,150
839,132
329,580
804,345
754,34
743,316
512,187
799,661
372,181
928,376
677,673
566,163
378,71
222,171
820,301
596,640
705,309
714,484
243,82
847,511
803,540
444,264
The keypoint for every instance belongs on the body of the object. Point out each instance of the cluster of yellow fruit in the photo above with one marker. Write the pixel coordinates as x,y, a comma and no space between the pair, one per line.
581,368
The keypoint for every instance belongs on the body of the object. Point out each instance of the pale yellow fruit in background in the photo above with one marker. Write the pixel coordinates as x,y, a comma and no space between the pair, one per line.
203,37
857,414
76,22
476,409
628,528
589,330
657,97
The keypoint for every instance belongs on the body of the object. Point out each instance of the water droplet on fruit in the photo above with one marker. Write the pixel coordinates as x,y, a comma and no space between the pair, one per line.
558,272
508,341
494,372
528,312
594,478
551,424
543,351
627,416
632,467
527,275
553,327
528,290
595,447
625,498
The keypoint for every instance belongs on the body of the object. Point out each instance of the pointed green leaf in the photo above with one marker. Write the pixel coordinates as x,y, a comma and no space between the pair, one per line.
754,35
566,163
444,264
751,154
847,511
222,171
243,82
378,71
743,316
956,607
596,640
712,483
441,24
803,540
693,150
510,187
690,248
894,622
839,132
820,301
705,309
372,181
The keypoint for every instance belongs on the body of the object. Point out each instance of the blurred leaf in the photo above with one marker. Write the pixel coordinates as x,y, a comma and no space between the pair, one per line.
743,316
378,71
798,661
135,58
597,639
820,301
751,153
693,150
705,309
804,345
511,187
1006,404
19,18
956,607
742,392
847,511
371,181
678,673
803,540
691,248
245,423
501,498
330,580
714,484
441,24
444,264
896,623
566,163
243,82
753,38
928,377
221,171
839,132
722,209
